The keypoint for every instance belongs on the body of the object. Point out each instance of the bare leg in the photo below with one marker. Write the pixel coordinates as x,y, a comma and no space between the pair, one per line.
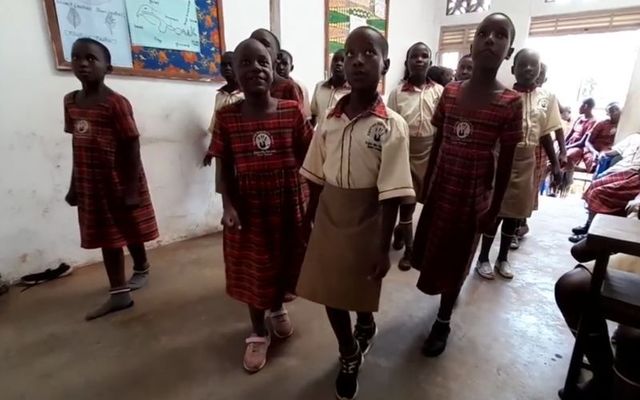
119,295
436,343
341,324
141,266
257,321
406,226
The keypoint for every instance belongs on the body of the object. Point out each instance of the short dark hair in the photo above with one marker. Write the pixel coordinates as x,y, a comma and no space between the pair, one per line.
406,70
273,35
521,51
612,104
383,41
105,49
512,27
284,52
589,102
465,56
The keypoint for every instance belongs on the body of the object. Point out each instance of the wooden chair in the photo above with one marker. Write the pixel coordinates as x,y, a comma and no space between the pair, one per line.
615,295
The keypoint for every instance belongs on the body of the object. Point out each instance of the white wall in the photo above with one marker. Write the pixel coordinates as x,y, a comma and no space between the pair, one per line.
630,120
37,228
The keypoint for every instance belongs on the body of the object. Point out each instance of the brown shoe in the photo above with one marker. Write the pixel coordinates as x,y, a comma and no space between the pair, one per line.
255,356
281,324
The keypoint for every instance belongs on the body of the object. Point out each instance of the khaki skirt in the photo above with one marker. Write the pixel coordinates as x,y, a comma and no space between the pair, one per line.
419,152
343,250
518,199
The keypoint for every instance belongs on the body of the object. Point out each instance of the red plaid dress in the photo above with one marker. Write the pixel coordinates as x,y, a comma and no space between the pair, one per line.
263,259
288,90
462,185
611,193
98,133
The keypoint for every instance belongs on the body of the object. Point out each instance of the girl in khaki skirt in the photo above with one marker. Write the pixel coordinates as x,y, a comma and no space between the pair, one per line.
415,100
541,117
358,169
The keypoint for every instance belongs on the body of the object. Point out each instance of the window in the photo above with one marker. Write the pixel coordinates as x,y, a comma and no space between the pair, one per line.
455,42
591,22
457,7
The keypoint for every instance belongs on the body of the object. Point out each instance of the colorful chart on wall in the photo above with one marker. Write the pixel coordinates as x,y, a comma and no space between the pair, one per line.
173,39
343,16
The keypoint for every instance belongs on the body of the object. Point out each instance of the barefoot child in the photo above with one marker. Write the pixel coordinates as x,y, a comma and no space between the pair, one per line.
108,183
541,117
284,68
327,93
415,100
474,120
228,94
359,161
259,144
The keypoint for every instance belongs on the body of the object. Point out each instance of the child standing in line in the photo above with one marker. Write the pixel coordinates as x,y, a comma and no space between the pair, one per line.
465,185
358,165
228,94
259,144
108,184
541,117
284,68
464,69
415,100
327,93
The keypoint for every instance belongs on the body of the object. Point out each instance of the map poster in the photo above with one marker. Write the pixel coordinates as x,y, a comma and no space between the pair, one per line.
165,24
102,20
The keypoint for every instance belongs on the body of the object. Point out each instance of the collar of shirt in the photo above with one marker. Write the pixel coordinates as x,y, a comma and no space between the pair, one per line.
225,90
410,87
329,84
523,88
378,108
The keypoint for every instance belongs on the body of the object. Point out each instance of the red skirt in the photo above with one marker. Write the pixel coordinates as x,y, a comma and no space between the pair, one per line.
611,193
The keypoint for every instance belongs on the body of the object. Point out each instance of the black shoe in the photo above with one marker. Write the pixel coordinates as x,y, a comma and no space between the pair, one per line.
590,390
398,239
577,238
48,275
405,262
365,335
580,230
347,381
437,340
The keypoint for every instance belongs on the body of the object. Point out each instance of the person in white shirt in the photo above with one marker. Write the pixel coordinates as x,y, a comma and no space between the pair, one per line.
328,92
284,69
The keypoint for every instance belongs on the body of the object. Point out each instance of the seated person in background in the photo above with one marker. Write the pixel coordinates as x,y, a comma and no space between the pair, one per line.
617,186
598,140
464,69
284,67
440,75
577,136
327,93
571,294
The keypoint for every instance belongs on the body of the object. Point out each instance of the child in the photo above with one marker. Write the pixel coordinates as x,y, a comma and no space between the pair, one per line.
327,93
465,188
599,139
541,117
281,88
359,161
284,68
415,100
228,94
440,75
464,69
259,144
108,183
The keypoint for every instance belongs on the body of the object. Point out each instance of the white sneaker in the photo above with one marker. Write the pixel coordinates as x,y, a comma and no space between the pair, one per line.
504,269
485,270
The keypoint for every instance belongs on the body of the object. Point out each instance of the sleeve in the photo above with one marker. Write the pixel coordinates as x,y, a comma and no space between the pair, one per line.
392,103
68,123
123,119
314,101
302,137
439,114
512,130
554,119
219,145
313,166
306,104
394,177
216,106
295,93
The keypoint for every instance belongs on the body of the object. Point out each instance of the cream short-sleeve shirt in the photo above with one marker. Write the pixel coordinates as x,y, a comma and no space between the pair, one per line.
223,99
541,116
416,105
325,97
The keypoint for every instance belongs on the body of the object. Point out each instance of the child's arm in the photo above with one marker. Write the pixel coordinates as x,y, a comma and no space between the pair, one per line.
547,144
71,198
389,215
562,147
230,217
131,172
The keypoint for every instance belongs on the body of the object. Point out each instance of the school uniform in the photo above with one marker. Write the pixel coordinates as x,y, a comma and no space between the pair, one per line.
287,89
579,129
223,99
461,188
306,106
98,133
262,260
325,97
417,105
540,117
359,163
601,136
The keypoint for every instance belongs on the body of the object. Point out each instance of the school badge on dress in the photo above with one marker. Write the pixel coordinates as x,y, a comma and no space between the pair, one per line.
263,142
462,129
81,126
543,103
377,135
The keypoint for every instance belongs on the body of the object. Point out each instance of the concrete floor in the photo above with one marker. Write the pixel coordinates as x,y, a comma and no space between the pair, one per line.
184,338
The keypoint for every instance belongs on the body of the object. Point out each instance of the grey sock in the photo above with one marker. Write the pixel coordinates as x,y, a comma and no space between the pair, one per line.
139,278
119,299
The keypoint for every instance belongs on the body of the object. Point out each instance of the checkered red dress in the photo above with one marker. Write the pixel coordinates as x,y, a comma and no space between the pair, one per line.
461,189
263,259
611,193
98,133
288,90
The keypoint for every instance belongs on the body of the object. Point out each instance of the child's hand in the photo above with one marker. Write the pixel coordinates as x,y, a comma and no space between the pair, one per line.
207,160
382,266
230,219
71,198
557,176
563,160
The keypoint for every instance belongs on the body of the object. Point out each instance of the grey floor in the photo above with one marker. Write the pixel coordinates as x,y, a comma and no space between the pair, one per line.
184,339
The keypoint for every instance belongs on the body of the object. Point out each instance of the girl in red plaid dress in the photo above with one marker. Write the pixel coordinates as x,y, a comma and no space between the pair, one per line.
259,145
108,183
465,183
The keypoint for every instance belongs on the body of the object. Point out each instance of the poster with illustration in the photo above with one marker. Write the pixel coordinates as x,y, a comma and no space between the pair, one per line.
102,20
164,24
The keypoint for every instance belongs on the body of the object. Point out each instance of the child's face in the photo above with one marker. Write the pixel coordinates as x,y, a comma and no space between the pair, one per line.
492,42
267,40
542,78
252,64
447,76
284,65
337,64
419,60
365,61
527,68
465,67
565,113
585,108
614,113
226,67
89,62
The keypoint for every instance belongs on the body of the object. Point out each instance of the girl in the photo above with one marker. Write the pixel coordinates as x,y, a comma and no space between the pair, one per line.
228,94
259,144
108,183
359,160
541,117
415,100
465,188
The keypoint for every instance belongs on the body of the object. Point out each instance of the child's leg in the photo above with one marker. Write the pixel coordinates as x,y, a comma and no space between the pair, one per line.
257,321
341,324
365,331
350,354
120,296
255,356
436,343
140,266
483,266
406,227
509,226
280,321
